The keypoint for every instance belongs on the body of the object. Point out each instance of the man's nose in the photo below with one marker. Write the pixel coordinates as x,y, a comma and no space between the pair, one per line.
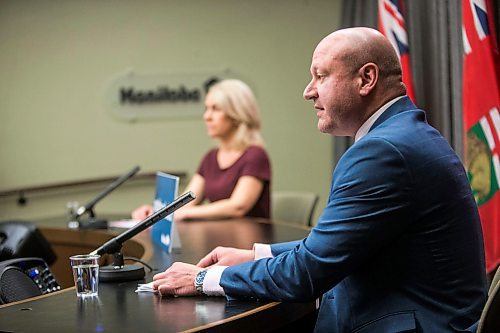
309,92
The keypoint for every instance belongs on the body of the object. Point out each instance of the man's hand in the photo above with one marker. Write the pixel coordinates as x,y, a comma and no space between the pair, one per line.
177,280
226,256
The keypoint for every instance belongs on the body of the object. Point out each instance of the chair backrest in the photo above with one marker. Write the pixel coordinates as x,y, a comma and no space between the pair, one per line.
19,239
495,280
490,317
294,207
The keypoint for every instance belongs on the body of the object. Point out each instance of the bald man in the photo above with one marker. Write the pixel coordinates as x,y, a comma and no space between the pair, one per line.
398,247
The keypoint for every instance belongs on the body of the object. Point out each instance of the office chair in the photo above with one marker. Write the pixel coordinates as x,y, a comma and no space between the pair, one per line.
20,239
490,318
495,280
294,207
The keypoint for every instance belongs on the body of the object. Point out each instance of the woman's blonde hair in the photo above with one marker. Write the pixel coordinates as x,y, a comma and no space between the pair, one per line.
237,101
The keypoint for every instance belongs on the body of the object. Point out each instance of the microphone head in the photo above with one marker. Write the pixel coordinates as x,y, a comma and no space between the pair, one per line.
80,211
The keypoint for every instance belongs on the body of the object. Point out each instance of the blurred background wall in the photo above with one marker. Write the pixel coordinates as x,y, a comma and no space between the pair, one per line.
58,58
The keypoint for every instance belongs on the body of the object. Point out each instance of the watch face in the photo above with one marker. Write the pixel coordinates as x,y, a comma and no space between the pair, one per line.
198,281
200,277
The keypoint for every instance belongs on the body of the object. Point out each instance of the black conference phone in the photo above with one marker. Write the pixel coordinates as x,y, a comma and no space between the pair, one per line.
22,278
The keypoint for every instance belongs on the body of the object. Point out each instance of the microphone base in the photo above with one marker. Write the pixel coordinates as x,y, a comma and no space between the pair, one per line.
93,224
121,274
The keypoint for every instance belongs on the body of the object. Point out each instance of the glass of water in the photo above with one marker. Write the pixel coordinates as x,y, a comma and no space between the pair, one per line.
85,274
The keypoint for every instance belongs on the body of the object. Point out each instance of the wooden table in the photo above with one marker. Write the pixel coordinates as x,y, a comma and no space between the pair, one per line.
118,308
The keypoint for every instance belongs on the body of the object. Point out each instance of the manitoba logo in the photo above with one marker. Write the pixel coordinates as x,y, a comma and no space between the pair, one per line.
483,166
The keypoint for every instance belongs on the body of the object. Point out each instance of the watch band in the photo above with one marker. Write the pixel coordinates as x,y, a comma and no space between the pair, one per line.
198,281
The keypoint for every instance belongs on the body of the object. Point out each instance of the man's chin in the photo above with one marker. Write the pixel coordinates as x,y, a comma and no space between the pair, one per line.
331,131
323,128
323,131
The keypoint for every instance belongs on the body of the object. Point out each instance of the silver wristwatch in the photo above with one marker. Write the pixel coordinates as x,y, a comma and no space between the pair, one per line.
198,281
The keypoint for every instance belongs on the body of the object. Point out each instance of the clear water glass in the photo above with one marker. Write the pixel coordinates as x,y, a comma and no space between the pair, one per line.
85,274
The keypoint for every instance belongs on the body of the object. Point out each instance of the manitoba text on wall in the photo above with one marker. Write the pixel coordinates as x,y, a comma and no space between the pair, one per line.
140,96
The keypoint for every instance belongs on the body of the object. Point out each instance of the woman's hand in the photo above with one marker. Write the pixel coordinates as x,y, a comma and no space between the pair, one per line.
142,212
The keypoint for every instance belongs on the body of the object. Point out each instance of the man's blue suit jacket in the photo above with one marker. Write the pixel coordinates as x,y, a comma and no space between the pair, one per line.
398,247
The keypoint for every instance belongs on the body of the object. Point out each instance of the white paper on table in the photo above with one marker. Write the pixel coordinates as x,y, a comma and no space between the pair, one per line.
147,287
126,223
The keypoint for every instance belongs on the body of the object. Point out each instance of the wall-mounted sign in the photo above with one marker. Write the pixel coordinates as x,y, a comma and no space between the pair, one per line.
134,96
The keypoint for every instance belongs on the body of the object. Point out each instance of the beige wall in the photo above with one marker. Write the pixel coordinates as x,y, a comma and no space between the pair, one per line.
57,58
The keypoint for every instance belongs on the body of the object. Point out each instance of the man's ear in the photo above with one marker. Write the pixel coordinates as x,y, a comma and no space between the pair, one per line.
369,77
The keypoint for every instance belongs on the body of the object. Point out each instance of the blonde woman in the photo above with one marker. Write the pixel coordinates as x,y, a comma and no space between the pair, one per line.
235,177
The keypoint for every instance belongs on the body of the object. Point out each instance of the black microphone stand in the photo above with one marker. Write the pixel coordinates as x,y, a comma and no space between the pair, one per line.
93,222
118,271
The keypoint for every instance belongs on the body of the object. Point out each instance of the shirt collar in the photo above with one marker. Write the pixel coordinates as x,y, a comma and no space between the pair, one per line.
363,130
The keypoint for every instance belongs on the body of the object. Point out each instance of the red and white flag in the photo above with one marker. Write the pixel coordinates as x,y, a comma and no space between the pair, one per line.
392,24
481,105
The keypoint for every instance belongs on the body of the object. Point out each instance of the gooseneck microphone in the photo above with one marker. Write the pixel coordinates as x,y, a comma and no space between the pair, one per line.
93,222
119,272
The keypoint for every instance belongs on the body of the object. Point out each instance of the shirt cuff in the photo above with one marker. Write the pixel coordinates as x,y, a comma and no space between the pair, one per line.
211,286
262,251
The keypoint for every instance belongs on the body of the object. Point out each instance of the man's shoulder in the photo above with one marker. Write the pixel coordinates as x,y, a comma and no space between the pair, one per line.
404,127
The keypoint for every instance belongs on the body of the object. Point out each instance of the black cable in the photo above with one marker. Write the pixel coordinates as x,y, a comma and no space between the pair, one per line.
141,261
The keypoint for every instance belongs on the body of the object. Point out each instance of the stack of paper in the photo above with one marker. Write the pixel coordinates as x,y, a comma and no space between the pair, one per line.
148,287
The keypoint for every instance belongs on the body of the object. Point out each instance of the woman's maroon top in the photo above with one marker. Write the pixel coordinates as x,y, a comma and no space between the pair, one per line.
220,183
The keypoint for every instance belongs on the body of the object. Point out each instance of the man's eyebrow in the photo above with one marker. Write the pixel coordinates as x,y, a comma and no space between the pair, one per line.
315,68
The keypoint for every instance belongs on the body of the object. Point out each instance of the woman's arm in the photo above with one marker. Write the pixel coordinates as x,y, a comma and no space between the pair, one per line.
246,193
197,186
